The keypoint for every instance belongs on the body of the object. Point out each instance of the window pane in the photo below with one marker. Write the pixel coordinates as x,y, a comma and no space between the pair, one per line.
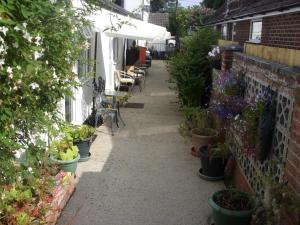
256,30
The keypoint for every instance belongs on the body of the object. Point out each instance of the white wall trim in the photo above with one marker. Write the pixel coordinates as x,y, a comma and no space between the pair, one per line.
261,16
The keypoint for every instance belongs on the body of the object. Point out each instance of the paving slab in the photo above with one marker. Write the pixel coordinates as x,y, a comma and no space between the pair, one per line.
144,175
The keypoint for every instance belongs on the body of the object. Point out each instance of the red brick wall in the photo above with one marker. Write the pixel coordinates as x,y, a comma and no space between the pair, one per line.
292,169
242,31
282,31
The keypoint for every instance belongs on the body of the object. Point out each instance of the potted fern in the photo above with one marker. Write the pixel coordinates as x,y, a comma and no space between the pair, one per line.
64,153
82,137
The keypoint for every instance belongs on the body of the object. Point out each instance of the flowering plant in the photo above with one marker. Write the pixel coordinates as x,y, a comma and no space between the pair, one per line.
257,124
228,100
215,53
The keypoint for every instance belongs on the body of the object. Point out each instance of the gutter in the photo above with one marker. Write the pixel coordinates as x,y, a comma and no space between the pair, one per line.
266,13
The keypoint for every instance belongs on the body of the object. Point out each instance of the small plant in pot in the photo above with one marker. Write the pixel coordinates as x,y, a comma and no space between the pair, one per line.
82,137
199,126
232,207
213,161
215,58
64,153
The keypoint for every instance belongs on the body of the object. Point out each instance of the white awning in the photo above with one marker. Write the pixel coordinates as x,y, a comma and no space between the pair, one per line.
116,25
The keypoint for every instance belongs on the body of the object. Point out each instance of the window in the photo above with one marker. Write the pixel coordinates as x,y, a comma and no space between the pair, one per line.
84,62
224,31
256,29
115,49
68,109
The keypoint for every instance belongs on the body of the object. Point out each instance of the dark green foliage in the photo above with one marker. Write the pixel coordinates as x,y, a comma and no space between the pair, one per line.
266,127
213,4
191,70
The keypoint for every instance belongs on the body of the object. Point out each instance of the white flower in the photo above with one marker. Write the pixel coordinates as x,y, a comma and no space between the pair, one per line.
53,1
37,55
19,81
18,67
38,40
16,28
3,30
30,169
19,178
10,76
2,49
24,24
46,62
54,75
34,86
15,88
16,45
27,36
1,40
9,70
2,62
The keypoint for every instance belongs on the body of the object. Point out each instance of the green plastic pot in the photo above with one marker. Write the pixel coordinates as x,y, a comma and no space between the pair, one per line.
84,148
67,166
224,216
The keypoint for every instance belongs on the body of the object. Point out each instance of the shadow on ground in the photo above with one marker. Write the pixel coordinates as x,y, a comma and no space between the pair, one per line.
144,175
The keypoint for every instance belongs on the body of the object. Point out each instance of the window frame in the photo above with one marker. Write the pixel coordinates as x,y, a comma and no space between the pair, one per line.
251,31
222,29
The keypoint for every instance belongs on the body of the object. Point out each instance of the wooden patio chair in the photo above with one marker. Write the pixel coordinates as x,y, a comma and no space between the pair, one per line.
122,79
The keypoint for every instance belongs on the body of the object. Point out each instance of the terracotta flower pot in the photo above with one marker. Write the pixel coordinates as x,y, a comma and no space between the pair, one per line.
199,140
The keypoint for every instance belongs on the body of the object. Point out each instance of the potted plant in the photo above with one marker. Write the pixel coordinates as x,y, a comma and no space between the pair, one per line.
199,126
65,154
213,161
232,207
215,58
82,137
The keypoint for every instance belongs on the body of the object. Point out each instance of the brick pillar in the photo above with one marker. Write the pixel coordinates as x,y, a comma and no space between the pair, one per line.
227,55
292,166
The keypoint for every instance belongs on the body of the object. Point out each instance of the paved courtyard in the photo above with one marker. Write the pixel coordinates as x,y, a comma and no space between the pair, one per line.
144,175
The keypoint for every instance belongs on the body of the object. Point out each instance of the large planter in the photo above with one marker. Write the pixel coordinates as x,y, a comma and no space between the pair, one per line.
67,166
199,141
212,167
84,148
224,216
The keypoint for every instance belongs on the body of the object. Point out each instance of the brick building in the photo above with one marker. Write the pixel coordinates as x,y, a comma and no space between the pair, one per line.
268,35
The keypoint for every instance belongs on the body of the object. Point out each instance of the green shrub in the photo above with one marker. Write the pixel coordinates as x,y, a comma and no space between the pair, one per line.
191,70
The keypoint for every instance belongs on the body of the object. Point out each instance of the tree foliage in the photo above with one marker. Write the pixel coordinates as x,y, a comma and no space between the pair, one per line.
213,4
190,69
188,19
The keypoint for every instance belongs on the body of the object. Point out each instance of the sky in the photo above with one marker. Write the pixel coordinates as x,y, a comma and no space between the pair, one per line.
186,3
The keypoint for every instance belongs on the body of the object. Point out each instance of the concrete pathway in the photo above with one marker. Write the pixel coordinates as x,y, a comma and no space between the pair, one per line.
144,175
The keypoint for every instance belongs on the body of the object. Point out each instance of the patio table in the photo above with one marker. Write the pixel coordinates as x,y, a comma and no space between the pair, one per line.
115,103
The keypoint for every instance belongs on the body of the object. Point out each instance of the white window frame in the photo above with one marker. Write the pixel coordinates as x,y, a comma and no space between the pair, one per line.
251,27
222,29
233,31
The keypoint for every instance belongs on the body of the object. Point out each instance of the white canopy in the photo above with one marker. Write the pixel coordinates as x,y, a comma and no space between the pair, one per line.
116,25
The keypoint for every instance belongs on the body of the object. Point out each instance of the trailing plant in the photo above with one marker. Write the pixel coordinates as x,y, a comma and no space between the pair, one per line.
228,100
257,124
278,197
190,68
